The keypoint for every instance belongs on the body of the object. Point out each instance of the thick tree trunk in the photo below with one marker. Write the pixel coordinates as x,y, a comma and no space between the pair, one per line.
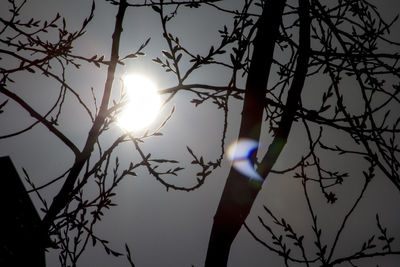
240,192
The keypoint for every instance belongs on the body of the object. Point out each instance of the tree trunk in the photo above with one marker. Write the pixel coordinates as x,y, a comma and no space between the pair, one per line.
239,192
64,196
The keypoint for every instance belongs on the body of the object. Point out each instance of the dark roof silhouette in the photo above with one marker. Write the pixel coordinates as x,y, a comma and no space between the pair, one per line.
19,221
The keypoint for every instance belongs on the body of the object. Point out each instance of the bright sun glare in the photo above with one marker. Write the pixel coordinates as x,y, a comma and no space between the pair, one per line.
143,103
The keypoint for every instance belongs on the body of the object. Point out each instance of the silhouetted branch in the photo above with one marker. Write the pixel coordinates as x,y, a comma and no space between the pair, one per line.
63,197
37,116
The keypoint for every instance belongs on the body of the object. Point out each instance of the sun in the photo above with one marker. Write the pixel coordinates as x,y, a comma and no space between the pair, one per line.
143,103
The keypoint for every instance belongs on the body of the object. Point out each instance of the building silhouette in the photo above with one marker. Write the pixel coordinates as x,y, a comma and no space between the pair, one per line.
20,243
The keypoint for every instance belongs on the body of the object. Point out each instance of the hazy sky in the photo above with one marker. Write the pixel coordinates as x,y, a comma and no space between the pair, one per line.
172,228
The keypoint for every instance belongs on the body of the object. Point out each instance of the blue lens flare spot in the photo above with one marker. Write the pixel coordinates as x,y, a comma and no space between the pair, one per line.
239,152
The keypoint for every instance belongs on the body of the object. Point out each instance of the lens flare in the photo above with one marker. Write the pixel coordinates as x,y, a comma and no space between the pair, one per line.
239,152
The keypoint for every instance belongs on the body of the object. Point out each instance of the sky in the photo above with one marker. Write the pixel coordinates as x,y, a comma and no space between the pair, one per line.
171,228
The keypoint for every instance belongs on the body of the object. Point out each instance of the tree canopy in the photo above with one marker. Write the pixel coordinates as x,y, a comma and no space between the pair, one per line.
300,101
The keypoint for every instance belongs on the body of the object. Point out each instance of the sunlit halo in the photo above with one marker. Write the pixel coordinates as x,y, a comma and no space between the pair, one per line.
239,152
143,103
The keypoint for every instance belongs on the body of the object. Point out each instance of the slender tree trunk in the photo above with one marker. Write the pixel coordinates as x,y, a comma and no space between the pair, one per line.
64,196
239,192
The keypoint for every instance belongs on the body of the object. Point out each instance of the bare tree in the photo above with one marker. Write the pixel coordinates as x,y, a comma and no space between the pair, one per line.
346,37
277,48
